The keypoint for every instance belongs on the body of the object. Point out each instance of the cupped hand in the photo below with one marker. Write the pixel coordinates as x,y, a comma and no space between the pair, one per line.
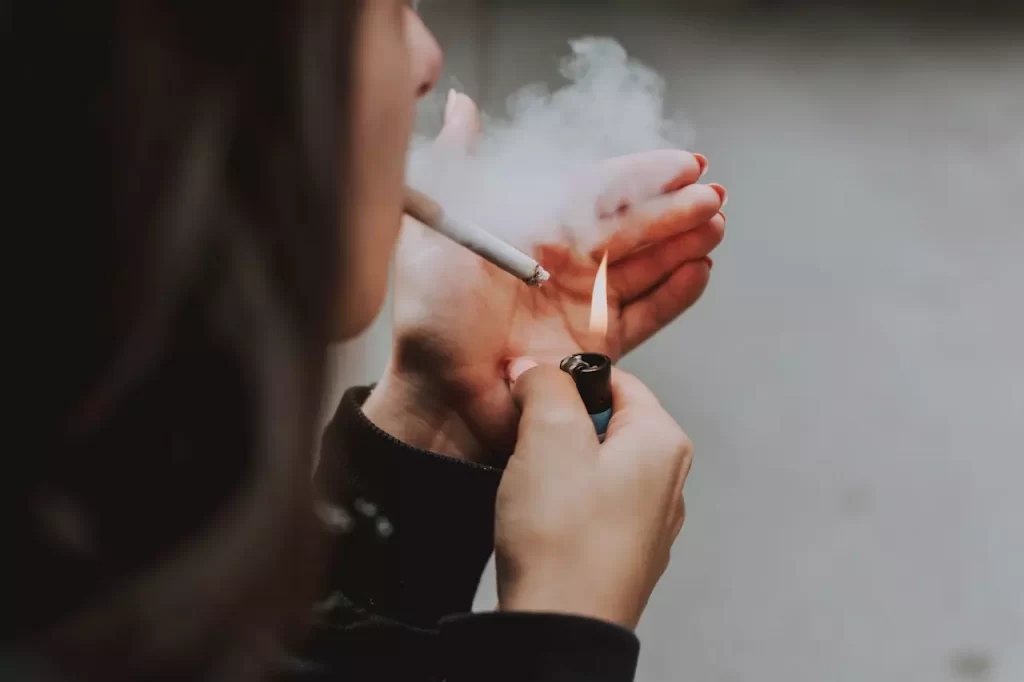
459,319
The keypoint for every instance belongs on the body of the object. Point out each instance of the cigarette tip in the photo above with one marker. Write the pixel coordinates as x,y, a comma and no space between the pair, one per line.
540,275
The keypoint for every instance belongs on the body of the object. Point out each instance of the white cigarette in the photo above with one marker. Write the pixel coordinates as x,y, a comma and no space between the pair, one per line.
475,238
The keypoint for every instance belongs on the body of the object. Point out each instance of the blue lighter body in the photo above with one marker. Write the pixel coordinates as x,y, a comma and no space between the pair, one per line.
601,423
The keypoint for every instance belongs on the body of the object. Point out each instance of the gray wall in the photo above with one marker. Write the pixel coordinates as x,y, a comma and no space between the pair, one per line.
853,378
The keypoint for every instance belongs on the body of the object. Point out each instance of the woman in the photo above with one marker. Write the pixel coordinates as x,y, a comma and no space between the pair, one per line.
166,527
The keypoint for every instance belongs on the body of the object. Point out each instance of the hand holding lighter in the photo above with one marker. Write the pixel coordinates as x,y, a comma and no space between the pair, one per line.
592,373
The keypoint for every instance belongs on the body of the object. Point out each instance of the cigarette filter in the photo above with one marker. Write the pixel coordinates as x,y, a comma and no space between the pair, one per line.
592,373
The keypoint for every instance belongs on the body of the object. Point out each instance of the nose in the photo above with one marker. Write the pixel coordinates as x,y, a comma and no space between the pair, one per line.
424,53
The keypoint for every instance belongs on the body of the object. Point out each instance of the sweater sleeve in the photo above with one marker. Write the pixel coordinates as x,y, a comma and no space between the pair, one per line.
416,528
412,532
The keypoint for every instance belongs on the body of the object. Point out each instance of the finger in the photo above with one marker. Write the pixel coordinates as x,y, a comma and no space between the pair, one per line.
551,409
461,123
644,316
632,271
653,220
640,272
544,387
628,179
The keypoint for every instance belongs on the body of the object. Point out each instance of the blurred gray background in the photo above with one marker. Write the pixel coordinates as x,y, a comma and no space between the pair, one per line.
854,376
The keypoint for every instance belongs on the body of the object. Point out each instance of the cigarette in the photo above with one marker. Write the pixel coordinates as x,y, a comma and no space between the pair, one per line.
475,238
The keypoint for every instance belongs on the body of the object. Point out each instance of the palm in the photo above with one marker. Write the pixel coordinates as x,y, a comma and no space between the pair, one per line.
458,319
554,321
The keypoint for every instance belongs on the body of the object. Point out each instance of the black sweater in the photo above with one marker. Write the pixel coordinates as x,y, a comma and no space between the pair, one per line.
414,530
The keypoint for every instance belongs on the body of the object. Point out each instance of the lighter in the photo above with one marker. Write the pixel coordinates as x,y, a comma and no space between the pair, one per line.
592,373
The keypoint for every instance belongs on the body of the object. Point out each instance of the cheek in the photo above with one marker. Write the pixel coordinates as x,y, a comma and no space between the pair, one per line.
383,126
383,116
376,210
364,275
379,186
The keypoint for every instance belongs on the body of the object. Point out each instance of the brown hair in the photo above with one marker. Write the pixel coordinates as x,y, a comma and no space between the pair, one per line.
184,188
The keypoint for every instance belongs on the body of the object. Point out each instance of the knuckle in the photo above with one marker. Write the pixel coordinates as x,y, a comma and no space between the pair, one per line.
677,517
686,448
682,446
677,445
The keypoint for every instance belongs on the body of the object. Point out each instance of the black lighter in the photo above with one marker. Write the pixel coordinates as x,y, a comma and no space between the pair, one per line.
592,373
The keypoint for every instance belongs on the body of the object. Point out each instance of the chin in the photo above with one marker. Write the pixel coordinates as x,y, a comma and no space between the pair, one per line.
359,311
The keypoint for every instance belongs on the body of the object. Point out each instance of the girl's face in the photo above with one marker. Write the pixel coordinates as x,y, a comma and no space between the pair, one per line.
397,61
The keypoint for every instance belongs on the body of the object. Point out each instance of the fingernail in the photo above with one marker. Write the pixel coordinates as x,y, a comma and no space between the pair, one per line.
703,162
517,367
459,113
722,193
449,105
722,213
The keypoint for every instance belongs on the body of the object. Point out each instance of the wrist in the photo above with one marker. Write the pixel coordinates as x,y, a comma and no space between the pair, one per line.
416,413
567,598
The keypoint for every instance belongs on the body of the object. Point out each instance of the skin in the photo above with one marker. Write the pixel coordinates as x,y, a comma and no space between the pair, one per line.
562,541
445,388
473,370
393,47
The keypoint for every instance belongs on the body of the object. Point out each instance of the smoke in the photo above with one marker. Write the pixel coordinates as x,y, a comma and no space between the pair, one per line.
532,175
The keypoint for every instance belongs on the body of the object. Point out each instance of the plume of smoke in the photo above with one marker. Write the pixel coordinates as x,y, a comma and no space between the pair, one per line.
532,176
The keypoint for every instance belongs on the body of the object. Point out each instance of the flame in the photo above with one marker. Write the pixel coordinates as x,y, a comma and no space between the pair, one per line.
599,300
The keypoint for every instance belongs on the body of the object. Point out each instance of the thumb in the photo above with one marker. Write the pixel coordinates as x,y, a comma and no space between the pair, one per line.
551,408
461,123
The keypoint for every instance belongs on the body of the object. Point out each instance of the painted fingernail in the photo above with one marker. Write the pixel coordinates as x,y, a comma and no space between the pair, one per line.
703,162
722,193
517,367
449,104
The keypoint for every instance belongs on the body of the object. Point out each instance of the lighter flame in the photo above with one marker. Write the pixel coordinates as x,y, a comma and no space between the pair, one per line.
599,301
